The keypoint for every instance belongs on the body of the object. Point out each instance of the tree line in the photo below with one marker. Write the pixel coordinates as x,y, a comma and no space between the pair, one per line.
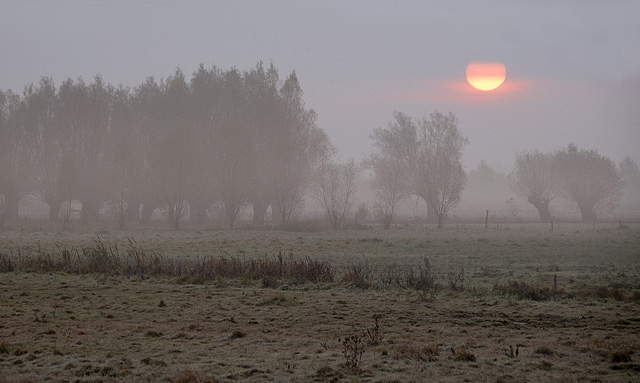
583,177
225,140
225,137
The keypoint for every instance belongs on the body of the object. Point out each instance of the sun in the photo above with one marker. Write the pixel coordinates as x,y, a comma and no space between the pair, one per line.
486,75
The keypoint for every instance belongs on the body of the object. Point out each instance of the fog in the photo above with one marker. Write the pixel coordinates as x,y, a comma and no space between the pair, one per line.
573,77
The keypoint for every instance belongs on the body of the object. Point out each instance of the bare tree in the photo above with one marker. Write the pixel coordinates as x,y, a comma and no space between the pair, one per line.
588,179
13,157
297,147
429,157
265,108
46,143
148,109
629,172
172,157
206,99
445,176
535,177
233,154
389,187
335,191
124,156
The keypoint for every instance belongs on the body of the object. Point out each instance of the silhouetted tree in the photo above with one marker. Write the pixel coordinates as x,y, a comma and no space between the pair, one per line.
389,187
124,159
172,158
206,99
148,119
335,191
265,108
233,152
445,176
429,157
297,147
535,177
13,157
588,179
629,172
46,144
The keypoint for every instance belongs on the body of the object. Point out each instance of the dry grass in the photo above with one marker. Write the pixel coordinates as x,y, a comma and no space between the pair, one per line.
146,320
121,334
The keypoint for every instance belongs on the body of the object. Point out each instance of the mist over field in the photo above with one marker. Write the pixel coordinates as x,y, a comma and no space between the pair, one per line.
330,191
89,75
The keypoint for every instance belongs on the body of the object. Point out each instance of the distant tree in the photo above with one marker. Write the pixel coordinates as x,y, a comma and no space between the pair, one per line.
172,157
535,177
83,115
629,172
124,159
484,175
46,143
265,107
389,187
233,155
205,106
297,147
335,191
148,114
399,147
13,157
428,156
588,179
446,178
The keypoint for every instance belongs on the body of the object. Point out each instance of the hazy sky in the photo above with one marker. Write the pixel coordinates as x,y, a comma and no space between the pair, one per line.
573,67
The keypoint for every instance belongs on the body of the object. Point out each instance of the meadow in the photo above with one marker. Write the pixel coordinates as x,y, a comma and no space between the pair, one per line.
509,303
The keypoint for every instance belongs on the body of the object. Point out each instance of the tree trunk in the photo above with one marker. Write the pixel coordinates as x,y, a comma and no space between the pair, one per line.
543,208
587,211
148,206
90,210
11,202
54,208
259,211
277,215
432,216
198,212
440,221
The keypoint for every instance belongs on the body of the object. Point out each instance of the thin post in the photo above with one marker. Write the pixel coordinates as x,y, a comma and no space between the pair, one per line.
486,220
552,226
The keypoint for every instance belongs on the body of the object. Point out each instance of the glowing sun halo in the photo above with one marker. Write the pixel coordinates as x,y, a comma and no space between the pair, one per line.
486,75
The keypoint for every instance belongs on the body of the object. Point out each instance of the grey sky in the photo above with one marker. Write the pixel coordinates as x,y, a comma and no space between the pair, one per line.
573,67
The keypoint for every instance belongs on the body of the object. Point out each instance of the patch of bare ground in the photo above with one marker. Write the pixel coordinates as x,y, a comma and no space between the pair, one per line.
88,328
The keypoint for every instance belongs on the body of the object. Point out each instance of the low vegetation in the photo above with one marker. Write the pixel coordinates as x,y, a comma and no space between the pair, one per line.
463,304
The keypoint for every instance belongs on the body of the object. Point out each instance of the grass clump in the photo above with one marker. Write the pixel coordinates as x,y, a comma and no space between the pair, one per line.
190,376
543,350
524,291
412,352
279,299
464,356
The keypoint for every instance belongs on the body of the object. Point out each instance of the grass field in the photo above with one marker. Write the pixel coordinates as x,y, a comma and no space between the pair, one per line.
492,314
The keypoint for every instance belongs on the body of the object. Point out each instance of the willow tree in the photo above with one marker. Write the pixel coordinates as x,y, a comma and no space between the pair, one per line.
588,179
428,155
445,177
13,157
535,177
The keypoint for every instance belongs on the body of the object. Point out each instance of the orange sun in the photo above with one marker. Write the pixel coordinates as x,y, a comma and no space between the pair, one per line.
486,75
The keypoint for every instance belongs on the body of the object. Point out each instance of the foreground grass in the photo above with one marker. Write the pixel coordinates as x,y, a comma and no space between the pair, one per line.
60,327
127,327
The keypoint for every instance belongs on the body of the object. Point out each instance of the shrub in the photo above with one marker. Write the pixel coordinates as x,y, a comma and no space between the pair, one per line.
352,349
